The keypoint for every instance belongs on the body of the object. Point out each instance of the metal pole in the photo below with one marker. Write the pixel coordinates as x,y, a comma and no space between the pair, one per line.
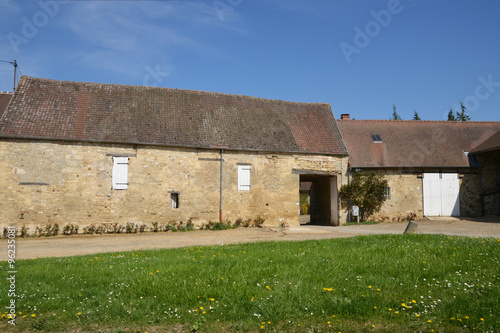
220,200
348,194
15,71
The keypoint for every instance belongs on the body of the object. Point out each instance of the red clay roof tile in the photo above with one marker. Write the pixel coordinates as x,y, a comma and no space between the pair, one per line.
413,143
65,110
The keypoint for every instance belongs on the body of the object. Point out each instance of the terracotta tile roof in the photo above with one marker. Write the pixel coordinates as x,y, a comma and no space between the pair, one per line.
65,110
413,143
4,101
492,143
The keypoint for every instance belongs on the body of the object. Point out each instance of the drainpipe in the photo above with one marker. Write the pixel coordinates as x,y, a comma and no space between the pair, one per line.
349,195
220,200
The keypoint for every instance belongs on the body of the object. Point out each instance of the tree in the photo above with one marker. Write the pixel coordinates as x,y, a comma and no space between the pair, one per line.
395,115
462,116
367,191
415,116
451,116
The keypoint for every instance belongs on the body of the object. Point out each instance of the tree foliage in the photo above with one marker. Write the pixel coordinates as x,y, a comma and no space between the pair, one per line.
462,116
459,116
416,116
451,116
395,115
367,191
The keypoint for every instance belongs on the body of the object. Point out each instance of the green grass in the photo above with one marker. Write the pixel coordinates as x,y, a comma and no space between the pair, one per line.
383,283
362,223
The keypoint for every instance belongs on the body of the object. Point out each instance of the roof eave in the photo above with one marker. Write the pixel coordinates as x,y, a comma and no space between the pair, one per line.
170,145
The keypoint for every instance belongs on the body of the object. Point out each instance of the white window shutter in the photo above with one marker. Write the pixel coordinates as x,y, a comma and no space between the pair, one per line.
244,177
120,173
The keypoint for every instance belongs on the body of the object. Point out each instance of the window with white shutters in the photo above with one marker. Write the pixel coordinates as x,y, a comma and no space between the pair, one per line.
120,173
244,177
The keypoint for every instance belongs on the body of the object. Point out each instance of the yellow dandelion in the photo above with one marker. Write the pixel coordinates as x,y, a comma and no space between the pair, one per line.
403,304
33,315
370,287
79,313
201,308
417,315
263,323
204,312
466,317
396,311
267,287
429,321
211,299
482,319
269,322
378,289
262,327
390,309
328,323
413,301
374,307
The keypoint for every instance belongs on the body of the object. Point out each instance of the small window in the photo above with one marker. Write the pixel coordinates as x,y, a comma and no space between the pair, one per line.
244,177
174,200
376,138
120,173
387,193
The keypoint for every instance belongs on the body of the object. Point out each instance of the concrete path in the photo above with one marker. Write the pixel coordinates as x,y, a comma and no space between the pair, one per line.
61,246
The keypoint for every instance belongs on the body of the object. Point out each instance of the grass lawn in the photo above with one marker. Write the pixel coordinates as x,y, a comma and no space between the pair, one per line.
382,283
362,223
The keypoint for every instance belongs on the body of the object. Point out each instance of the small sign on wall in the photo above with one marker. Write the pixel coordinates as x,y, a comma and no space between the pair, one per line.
355,211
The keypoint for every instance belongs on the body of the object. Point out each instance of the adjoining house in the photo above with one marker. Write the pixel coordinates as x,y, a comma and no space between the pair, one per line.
73,152
488,155
428,164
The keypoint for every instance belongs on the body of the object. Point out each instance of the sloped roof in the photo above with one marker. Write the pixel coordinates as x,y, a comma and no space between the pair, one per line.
4,101
492,143
413,143
49,109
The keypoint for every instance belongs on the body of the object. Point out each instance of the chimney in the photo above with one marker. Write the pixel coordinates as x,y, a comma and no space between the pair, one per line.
345,116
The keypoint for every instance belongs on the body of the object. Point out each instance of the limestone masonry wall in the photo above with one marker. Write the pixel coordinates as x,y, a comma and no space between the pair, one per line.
407,194
48,182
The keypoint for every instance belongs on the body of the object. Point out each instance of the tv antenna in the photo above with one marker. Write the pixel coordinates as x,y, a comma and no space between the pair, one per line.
14,63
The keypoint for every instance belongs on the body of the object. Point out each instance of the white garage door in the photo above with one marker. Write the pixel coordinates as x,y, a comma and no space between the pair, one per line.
441,194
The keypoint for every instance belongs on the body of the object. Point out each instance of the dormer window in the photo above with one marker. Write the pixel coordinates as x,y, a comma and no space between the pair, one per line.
376,138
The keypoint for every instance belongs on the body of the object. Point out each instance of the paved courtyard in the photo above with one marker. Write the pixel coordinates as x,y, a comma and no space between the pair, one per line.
28,248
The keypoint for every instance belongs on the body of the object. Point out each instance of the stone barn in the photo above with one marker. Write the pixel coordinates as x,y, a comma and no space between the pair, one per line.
74,152
428,164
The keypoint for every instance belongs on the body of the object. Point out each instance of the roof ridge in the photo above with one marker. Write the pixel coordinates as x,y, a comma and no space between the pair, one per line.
181,90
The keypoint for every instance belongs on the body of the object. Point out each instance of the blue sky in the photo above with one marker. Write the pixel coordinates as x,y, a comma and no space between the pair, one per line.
360,56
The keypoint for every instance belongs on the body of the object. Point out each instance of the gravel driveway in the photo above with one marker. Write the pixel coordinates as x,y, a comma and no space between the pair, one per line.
59,246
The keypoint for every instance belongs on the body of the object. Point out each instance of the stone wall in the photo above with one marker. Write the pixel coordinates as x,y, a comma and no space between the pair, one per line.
405,196
490,182
48,182
407,193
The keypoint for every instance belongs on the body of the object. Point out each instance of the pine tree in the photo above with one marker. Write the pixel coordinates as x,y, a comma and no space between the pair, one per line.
451,116
415,116
395,115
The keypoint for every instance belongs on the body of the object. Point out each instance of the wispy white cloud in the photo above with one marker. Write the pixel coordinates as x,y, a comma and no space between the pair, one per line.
8,5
